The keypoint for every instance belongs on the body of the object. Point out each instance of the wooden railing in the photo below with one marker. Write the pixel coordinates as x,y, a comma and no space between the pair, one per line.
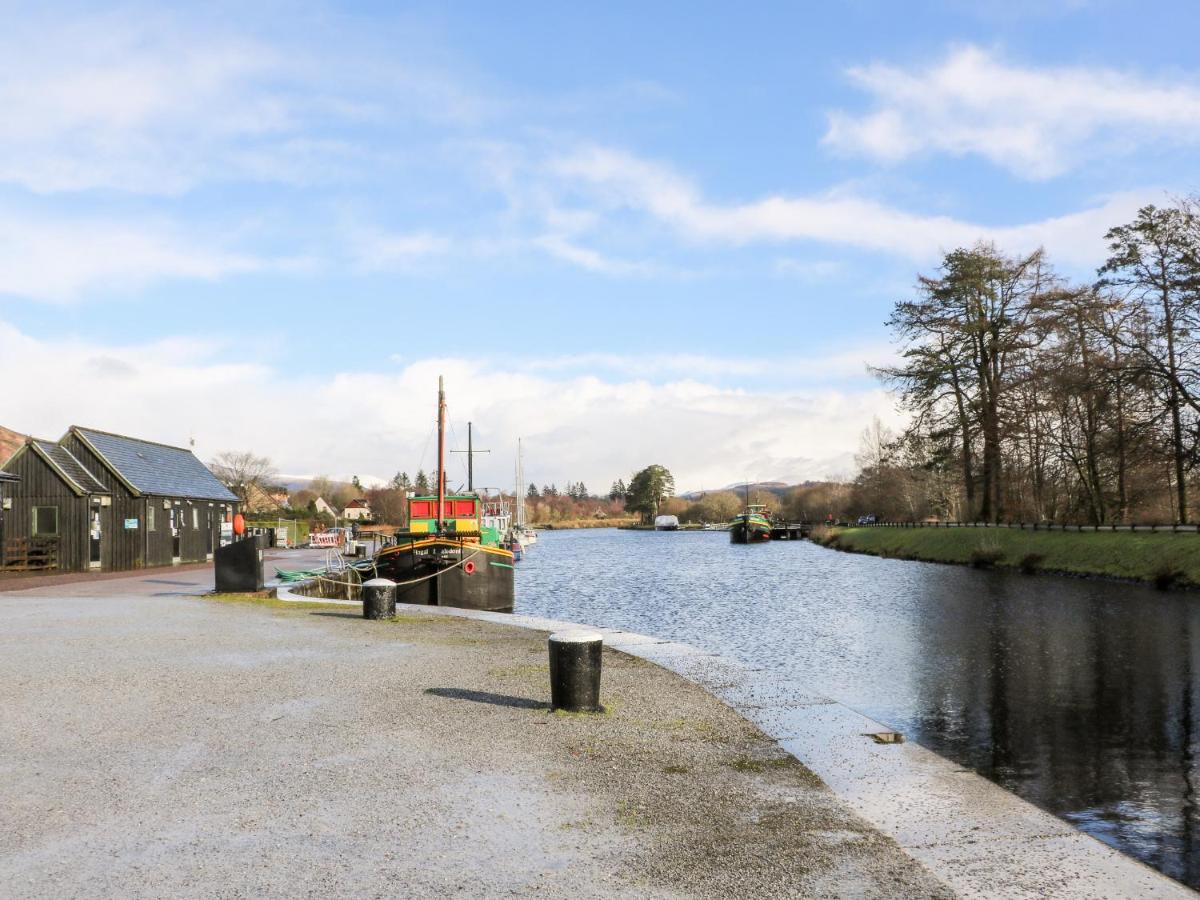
1034,526
29,555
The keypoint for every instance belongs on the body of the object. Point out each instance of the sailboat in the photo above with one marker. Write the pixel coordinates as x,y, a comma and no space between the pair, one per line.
449,555
526,535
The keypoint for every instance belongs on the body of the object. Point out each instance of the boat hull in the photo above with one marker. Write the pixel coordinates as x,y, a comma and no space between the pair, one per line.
442,572
744,532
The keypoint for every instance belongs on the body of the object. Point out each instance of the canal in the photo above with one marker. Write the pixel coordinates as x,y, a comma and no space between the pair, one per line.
1080,696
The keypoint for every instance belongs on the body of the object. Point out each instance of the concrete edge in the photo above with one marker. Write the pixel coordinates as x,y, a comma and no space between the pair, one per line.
976,837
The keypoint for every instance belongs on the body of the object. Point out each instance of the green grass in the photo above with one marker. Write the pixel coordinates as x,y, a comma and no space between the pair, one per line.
264,598
1163,559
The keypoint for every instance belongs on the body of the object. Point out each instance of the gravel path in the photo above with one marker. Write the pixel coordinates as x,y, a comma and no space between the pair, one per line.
176,746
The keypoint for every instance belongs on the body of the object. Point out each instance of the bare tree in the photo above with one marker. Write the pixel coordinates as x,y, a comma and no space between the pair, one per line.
1155,262
242,471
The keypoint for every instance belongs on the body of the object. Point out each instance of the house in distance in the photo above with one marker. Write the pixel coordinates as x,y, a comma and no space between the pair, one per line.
101,501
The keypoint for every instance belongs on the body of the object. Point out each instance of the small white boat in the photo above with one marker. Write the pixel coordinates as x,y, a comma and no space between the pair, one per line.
666,523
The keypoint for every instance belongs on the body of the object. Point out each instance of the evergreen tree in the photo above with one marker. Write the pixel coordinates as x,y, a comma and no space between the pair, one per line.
532,493
422,483
617,491
401,482
648,488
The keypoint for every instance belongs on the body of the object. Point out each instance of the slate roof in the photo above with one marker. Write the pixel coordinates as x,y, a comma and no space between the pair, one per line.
72,468
157,468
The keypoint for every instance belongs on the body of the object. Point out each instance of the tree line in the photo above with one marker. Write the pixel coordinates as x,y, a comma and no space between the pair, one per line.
1033,398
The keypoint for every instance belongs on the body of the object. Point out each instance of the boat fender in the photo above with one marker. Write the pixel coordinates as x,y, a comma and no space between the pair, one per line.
469,567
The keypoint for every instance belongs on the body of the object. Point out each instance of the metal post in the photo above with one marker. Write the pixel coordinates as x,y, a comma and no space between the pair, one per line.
379,598
575,663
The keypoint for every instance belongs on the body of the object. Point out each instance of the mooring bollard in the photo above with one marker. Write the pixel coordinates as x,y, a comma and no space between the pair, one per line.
379,598
575,660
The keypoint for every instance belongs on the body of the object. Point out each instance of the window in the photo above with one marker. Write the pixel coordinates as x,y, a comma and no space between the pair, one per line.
45,521
195,517
150,518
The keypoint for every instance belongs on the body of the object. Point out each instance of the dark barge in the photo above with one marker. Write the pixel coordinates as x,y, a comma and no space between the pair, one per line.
447,557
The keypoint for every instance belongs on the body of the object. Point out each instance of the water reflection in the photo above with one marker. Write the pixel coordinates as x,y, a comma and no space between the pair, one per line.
1077,695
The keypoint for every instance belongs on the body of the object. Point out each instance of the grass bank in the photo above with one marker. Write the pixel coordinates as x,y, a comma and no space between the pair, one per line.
1164,560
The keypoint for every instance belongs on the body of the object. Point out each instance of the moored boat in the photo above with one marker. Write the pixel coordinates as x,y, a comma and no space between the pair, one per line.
751,526
449,555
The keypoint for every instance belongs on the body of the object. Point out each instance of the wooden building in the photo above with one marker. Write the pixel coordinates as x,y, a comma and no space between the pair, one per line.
101,501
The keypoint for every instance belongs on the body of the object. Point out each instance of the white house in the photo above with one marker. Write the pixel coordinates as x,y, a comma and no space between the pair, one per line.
355,510
323,507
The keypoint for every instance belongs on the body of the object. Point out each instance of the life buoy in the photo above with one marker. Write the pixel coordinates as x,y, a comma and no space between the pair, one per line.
239,524
469,567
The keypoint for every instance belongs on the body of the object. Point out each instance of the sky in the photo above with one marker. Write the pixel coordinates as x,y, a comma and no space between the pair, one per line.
626,233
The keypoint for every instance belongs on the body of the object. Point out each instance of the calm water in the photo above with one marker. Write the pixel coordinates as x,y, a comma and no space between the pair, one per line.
1079,696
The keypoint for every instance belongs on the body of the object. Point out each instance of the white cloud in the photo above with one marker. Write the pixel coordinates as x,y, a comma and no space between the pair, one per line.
620,181
158,102
60,259
1035,121
375,250
375,422
586,258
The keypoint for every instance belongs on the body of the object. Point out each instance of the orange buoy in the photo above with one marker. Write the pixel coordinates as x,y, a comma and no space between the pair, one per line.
239,525
469,567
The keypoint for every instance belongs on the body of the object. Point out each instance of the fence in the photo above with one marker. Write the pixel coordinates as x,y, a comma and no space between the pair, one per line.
29,555
1037,526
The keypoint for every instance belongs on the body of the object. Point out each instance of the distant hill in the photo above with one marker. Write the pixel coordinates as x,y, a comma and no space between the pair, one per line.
778,488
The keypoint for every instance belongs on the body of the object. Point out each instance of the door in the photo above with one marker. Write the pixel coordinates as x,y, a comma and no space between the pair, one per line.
176,524
95,535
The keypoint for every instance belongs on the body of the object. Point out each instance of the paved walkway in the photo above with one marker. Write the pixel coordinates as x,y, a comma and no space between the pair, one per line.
154,743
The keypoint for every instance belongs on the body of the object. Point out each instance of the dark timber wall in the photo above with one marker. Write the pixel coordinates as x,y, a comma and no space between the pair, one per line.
197,523
40,485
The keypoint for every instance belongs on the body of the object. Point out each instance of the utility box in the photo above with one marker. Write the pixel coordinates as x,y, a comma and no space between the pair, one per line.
239,566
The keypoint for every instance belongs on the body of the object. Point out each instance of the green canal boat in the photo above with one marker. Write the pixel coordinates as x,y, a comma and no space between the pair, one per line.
751,526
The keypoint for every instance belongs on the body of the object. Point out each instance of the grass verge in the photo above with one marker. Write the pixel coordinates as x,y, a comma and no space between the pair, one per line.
1164,560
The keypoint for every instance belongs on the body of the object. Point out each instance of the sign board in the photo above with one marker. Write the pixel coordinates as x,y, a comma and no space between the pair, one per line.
226,534
326,539
281,536
131,524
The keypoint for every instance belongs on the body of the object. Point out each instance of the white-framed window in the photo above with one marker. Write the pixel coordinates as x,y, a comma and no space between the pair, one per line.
45,521
195,517
150,517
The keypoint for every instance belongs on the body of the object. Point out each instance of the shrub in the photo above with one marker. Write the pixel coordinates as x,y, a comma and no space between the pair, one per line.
1031,562
1166,575
987,554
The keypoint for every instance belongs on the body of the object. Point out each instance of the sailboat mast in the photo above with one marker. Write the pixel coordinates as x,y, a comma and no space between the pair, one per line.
520,485
470,461
441,454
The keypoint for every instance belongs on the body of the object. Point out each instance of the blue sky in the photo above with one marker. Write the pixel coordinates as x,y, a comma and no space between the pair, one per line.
629,235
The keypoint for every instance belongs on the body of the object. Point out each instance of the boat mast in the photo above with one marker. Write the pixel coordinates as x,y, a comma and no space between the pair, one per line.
441,453
520,486
470,451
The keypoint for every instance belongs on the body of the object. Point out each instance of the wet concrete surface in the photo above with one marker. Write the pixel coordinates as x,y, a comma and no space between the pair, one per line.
155,743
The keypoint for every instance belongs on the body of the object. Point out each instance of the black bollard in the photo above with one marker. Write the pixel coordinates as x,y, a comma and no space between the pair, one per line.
575,660
379,598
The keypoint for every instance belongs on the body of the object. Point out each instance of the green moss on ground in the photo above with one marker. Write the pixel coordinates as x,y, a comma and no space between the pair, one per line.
1164,559
265,598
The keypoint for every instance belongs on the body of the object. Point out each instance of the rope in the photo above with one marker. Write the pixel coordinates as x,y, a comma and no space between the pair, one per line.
319,574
